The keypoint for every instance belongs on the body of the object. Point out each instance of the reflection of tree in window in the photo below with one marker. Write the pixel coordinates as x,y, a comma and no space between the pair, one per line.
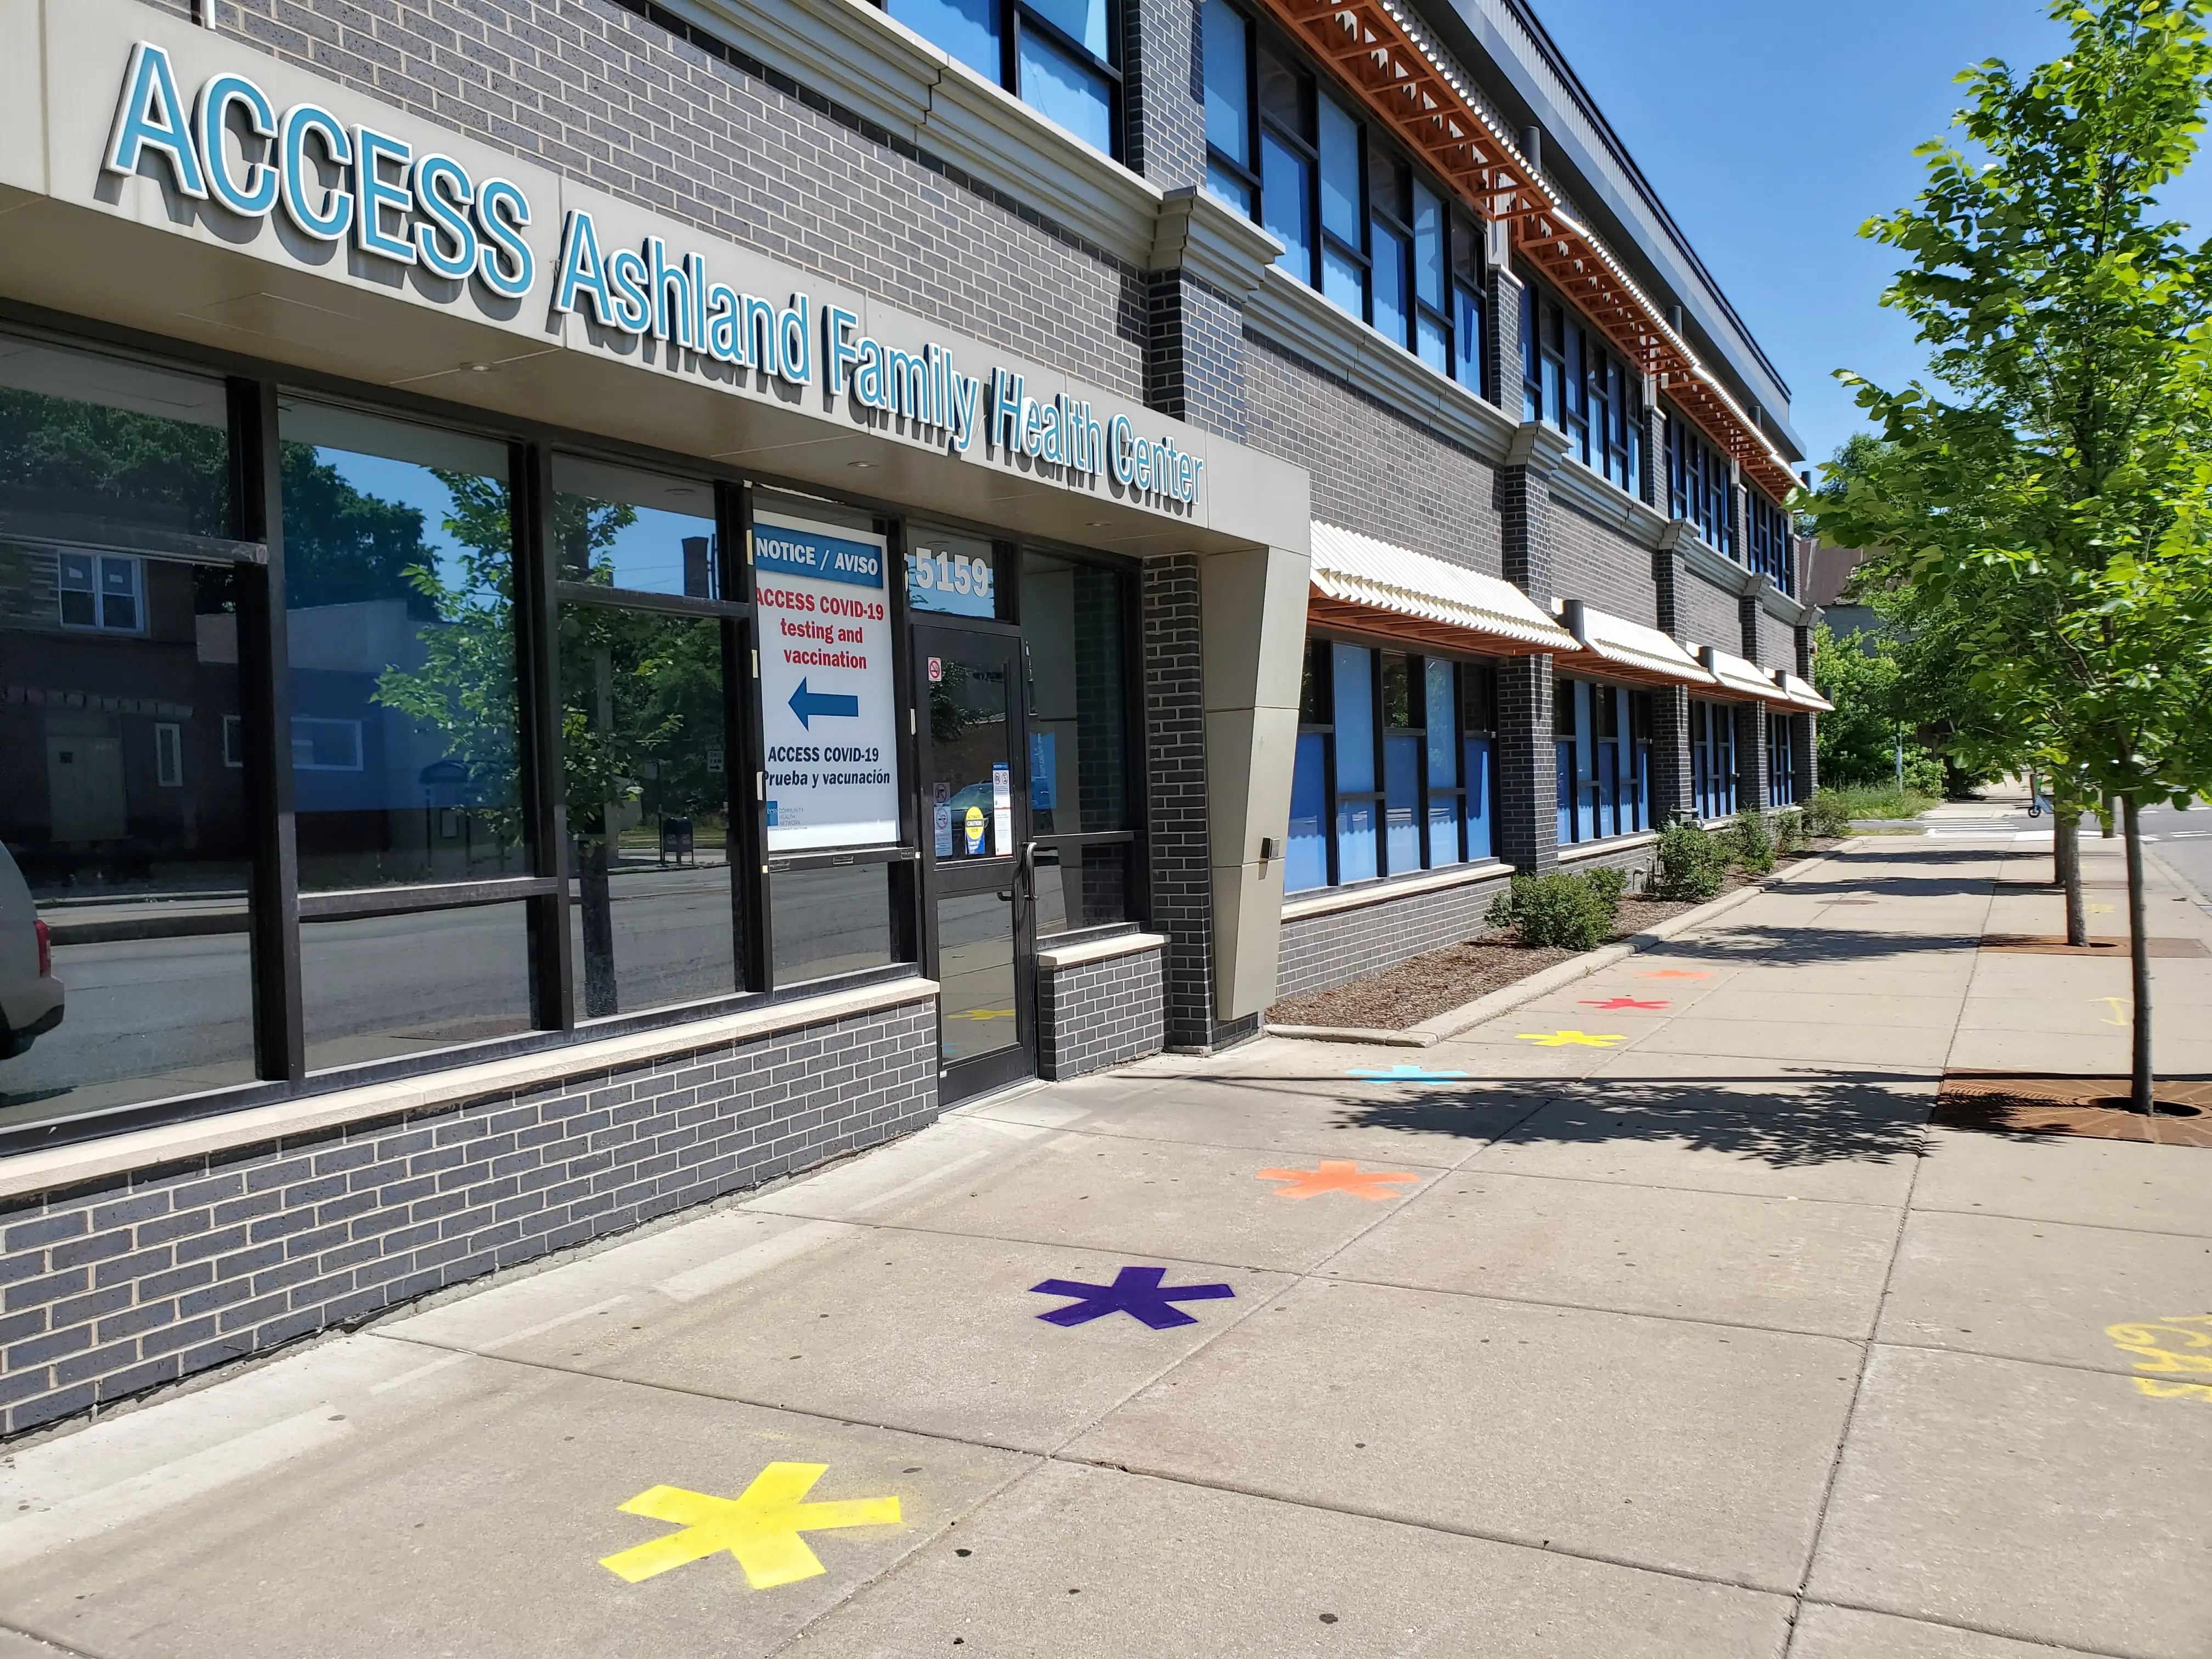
58,455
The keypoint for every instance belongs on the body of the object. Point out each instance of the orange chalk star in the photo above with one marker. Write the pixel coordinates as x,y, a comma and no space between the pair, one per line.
760,1527
1335,1175
1572,1039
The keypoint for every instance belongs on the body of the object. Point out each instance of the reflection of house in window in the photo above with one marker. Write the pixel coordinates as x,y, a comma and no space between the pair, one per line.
168,754
325,745
103,592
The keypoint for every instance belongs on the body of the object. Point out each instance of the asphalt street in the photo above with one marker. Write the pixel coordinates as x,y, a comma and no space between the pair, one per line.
2185,841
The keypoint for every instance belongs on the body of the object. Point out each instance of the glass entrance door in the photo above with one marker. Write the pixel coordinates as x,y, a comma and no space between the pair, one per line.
978,870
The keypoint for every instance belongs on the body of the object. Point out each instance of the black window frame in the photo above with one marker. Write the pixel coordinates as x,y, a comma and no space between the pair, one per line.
1767,539
278,909
1018,15
1599,405
1700,484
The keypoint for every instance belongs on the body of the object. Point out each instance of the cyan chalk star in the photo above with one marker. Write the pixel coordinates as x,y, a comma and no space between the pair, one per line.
1136,1292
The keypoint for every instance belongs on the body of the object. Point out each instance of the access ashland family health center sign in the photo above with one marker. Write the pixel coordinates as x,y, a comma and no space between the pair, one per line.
333,184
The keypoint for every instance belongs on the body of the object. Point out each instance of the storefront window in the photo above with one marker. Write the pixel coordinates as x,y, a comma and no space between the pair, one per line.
96,438
956,576
1436,769
624,527
828,921
1075,650
1601,736
1781,763
398,591
1712,758
382,988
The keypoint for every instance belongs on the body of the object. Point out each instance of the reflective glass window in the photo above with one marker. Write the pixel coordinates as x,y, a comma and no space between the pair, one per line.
124,843
836,920
644,771
965,29
1073,624
622,526
1286,209
1067,90
384,988
1306,860
1227,43
90,436
957,575
1082,885
399,600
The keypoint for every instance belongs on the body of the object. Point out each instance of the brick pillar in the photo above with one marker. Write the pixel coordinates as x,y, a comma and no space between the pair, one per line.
1194,357
1751,755
1175,765
1527,774
1805,735
1501,348
1738,517
1658,491
1747,613
1164,93
1672,779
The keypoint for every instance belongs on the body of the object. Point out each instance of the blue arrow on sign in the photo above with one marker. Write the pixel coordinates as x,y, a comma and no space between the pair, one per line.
806,704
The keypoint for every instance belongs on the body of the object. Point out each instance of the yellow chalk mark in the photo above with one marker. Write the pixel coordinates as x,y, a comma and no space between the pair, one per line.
2119,1007
760,1527
2099,909
2175,1390
2151,1340
1572,1039
983,1013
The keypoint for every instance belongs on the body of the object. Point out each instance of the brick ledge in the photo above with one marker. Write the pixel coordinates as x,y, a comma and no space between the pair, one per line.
1328,901
1101,949
73,1165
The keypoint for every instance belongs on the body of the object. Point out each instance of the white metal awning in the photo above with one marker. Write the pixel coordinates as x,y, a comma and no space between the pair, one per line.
1801,694
1367,585
1607,644
1739,674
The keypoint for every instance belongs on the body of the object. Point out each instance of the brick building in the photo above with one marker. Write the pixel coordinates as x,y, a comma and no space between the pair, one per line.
601,601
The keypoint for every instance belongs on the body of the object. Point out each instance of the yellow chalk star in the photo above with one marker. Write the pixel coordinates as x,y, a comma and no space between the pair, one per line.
1572,1039
760,1527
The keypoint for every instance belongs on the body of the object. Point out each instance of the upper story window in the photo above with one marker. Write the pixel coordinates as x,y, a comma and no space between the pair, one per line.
102,591
1572,381
1699,485
1767,533
1059,56
1356,220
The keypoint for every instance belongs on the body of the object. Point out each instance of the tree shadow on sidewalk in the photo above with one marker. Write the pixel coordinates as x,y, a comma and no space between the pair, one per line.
1751,942
1785,1121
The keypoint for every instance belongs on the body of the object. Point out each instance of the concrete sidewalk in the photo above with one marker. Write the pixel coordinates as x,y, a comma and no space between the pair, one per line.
1650,1320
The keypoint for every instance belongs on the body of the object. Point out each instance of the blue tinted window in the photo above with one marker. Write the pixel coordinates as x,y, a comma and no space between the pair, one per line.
1306,863
1341,206
1387,251
1080,20
1283,206
1343,282
1355,717
1479,763
965,29
1228,47
1428,245
1467,341
1443,725
1355,840
1063,90
1401,766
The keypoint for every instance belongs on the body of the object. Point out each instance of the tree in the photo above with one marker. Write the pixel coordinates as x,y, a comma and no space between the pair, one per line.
2047,494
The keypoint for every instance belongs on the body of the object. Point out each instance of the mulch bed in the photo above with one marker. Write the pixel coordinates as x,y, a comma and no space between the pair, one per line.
2027,1103
1455,975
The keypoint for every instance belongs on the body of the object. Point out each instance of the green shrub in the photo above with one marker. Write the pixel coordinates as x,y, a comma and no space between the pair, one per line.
1691,864
1827,814
1789,831
1751,845
1574,912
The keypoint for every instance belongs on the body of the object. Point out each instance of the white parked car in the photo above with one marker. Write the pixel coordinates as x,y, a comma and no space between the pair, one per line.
30,995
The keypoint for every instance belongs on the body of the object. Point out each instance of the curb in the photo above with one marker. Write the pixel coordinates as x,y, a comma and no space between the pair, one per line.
1442,1028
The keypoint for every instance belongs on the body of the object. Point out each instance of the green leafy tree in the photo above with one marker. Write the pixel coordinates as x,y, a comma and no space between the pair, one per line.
2047,493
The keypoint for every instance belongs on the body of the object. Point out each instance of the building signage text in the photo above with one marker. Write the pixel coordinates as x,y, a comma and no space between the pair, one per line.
332,183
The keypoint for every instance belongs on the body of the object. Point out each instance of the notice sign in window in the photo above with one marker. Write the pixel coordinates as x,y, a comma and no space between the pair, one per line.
827,706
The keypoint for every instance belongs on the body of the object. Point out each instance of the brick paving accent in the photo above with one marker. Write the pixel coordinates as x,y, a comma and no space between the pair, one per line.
131,1283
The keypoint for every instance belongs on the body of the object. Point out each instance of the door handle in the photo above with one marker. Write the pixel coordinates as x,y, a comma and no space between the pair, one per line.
1025,870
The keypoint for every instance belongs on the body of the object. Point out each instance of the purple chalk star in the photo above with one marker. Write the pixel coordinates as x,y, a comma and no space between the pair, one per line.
1136,1292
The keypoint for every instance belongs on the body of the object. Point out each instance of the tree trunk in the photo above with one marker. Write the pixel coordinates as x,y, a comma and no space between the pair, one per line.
2066,861
2145,1099
597,911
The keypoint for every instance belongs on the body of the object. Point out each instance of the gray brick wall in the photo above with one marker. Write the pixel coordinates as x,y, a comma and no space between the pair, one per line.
1636,860
601,95
1175,759
1163,79
1673,779
1708,616
154,1275
1097,1014
1323,951
1590,561
1198,354
1373,469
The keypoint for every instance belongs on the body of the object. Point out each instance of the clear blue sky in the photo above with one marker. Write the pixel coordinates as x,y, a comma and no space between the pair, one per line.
1773,130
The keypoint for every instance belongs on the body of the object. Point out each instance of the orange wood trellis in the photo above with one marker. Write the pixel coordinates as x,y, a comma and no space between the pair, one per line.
1372,52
